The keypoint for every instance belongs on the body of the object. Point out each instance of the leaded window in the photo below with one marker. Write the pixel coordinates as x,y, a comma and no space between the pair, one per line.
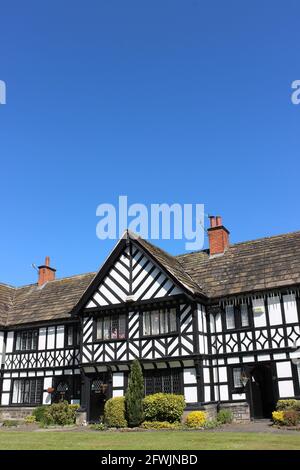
27,391
244,315
71,335
165,381
26,340
159,321
237,376
111,327
230,320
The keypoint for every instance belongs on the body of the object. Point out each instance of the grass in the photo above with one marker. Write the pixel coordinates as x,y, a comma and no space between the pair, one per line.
50,440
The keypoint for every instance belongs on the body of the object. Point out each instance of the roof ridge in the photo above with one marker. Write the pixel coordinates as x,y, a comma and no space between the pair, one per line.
253,240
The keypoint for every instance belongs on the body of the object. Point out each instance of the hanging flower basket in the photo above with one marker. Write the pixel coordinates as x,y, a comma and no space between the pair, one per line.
50,390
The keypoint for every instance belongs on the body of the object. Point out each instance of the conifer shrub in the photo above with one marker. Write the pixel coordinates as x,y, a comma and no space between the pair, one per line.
134,396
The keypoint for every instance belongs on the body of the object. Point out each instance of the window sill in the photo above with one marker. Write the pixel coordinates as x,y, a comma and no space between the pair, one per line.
163,335
113,340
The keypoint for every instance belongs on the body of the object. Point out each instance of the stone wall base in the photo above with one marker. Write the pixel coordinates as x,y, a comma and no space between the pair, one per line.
240,411
15,413
81,418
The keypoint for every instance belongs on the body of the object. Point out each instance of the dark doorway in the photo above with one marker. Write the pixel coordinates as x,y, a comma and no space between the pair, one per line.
62,389
99,393
262,391
66,387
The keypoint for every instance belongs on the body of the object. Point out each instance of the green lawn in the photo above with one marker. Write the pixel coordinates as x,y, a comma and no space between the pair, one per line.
147,441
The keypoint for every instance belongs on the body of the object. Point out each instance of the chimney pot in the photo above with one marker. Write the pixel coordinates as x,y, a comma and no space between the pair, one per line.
212,221
218,220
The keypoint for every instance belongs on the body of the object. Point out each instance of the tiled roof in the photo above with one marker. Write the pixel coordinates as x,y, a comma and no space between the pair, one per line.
32,303
247,267
265,263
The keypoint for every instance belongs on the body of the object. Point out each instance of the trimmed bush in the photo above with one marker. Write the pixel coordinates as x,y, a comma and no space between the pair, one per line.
225,416
39,412
114,413
160,425
134,396
292,404
60,413
11,423
164,407
98,427
278,417
30,419
291,417
196,419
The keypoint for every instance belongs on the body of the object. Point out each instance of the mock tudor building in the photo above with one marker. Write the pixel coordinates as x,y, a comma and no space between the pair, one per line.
220,326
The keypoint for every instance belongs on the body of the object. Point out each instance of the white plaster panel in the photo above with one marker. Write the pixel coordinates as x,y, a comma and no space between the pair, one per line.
222,374
47,382
190,394
5,399
118,379
206,376
223,392
286,388
189,376
284,369
6,385
206,393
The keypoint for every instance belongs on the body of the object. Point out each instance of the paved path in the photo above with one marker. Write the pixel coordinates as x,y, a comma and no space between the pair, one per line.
260,425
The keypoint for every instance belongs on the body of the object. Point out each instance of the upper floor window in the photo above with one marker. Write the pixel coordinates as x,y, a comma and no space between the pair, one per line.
230,317
111,327
71,335
237,317
26,340
244,315
159,322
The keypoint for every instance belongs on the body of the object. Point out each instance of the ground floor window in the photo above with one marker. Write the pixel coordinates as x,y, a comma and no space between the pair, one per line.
27,391
166,381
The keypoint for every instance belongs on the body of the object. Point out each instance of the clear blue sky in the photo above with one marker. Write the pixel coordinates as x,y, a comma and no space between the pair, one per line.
165,100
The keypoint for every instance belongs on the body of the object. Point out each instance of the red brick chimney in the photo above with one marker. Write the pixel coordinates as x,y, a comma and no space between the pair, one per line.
218,236
45,272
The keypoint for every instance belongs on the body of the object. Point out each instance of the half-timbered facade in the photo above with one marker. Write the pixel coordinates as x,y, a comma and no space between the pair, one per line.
220,326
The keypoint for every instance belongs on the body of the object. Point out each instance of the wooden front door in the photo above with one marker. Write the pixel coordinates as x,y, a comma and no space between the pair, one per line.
99,394
262,391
